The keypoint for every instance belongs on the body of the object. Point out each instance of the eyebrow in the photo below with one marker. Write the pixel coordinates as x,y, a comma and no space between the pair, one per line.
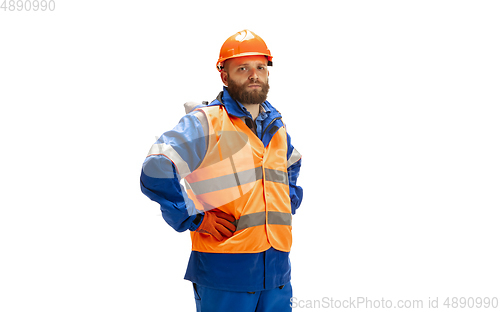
246,64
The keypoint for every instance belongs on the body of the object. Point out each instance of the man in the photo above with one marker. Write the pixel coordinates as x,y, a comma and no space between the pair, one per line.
240,172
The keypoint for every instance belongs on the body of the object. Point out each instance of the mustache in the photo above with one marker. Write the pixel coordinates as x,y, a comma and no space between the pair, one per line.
255,82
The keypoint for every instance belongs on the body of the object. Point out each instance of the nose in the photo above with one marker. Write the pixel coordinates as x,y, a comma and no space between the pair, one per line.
253,75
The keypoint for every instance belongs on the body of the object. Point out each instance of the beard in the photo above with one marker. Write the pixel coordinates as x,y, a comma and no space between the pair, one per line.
239,93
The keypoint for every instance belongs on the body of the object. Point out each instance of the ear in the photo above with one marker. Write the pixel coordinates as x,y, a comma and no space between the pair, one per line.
223,77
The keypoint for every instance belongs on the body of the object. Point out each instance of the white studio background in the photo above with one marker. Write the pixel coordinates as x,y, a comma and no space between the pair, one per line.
393,104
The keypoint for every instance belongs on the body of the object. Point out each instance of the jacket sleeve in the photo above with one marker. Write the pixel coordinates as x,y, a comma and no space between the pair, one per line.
173,156
293,164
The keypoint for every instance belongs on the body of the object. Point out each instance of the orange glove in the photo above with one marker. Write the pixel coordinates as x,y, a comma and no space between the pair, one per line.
218,224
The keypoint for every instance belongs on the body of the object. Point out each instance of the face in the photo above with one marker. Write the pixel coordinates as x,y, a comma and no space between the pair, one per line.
246,78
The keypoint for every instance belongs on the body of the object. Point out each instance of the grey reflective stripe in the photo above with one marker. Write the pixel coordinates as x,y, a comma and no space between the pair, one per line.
259,218
250,220
275,217
276,176
226,181
237,179
171,153
295,157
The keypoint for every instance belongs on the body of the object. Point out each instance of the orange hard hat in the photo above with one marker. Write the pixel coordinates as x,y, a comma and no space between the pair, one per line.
243,43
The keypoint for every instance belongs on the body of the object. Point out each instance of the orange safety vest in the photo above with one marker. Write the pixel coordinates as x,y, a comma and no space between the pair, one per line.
244,178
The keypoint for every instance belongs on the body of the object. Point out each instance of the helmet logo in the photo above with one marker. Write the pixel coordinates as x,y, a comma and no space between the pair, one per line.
244,35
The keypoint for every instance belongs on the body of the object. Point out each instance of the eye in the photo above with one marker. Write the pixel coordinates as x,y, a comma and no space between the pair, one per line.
242,68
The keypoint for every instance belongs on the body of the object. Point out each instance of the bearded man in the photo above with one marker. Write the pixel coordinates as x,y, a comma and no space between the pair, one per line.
239,170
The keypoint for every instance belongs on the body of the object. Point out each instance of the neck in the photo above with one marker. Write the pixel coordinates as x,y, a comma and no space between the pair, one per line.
253,109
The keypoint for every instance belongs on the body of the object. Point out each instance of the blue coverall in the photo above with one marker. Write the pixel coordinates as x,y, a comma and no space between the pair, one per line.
258,280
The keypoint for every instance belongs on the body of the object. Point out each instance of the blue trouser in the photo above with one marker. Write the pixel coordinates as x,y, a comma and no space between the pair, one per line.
214,300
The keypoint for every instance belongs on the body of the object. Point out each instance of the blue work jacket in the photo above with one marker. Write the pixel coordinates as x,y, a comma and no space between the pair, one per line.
161,183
